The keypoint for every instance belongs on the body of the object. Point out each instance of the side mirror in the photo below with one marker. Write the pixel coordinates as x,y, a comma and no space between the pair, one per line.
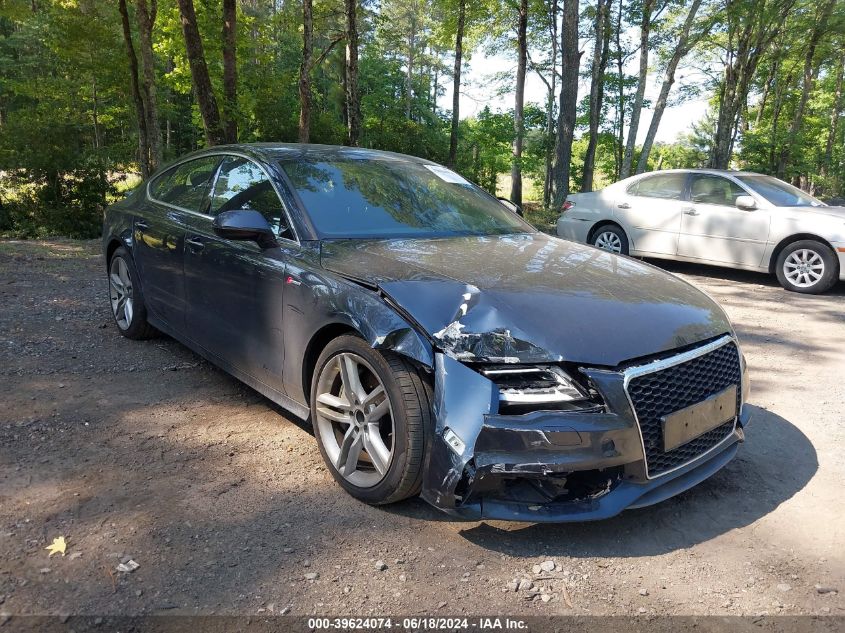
244,224
511,206
746,203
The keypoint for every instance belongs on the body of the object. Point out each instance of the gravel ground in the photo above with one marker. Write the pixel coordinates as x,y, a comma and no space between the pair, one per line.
143,451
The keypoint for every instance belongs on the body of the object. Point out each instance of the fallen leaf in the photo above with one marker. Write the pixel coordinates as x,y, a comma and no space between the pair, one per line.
57,546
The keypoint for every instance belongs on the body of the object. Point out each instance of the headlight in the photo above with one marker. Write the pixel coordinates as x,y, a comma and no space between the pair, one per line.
540,385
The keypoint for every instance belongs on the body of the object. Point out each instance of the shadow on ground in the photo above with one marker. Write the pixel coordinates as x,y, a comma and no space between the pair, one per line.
746,490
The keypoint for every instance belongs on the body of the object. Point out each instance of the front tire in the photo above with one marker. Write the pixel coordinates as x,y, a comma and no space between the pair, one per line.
807,266
126,298
371,413
610,238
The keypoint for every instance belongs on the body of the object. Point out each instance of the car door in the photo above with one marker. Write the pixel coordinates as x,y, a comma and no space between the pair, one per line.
715,230
159,232
650,212
234,289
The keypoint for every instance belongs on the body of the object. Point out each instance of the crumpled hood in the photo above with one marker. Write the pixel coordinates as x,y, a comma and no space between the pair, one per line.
531,298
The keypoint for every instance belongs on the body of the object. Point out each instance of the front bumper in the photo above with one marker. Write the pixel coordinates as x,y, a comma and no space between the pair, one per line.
484,465
839,247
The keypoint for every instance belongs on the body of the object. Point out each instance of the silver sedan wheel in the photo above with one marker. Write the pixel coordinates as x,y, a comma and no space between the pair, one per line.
120,292
609,241
804,268
354,419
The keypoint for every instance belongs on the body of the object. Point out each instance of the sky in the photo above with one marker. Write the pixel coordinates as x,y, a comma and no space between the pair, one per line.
476,93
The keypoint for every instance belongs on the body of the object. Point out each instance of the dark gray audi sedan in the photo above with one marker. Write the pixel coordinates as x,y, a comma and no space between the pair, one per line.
439,344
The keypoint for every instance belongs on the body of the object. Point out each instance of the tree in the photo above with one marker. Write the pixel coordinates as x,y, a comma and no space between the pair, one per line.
203,91
601,36
519,98
144,158
751,27
353,101
305,71
681,47
637,105
810,69
230,72
570,62
146,14
456,84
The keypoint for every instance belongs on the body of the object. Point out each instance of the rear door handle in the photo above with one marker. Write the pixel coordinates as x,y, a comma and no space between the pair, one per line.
690,211
195,244
623,205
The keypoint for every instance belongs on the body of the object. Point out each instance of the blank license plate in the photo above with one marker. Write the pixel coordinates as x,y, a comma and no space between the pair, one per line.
687,424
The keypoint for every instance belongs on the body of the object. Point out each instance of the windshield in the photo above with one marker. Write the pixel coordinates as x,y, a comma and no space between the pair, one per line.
778,192
349,197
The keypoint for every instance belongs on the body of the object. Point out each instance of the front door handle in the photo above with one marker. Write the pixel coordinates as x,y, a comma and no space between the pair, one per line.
623,205
690,211
195,244
141,225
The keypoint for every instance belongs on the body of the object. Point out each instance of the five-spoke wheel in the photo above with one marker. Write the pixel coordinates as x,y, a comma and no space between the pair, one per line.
126,298
371,414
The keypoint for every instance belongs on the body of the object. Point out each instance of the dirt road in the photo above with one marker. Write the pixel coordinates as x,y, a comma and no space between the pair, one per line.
143,451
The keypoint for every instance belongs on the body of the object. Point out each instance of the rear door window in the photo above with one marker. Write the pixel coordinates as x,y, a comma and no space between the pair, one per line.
187,185
665,186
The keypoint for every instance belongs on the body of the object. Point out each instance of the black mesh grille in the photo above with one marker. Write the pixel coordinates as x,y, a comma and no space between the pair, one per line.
663,392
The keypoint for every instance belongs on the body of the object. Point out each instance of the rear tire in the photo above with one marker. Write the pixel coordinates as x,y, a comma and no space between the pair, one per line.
386,412
126,297
611,238
808,267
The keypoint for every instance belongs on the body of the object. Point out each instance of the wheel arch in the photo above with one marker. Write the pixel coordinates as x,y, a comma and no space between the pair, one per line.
796,237
396,341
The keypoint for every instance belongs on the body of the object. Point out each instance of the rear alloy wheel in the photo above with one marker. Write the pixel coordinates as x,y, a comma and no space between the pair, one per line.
126,298
611,238
807,266
371,414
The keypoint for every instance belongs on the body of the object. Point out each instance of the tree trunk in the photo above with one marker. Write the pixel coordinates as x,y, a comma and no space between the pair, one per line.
199,74
637,106
518,110
682,47
620,98
230,72
353,101
143,140
409,73
810,72
833,128
570,59
596,91
146,15
305,71
550,106
456,84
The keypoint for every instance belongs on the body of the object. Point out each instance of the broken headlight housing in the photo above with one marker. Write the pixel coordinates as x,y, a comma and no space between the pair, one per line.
538,387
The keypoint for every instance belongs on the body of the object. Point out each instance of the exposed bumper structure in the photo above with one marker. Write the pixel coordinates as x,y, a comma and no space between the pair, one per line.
551,466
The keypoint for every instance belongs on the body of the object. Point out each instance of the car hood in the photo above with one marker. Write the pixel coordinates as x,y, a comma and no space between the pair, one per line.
829,212
531,297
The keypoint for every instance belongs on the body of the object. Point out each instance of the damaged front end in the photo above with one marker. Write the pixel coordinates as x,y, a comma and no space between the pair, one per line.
542,451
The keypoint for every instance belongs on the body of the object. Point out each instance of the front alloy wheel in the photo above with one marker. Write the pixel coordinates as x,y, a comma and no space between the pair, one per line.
807,266
371,415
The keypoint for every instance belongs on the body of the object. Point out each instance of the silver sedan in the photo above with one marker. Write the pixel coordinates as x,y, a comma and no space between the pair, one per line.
725,218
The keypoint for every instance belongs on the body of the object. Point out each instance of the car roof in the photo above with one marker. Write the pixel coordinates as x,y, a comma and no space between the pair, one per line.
270,152
702,170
